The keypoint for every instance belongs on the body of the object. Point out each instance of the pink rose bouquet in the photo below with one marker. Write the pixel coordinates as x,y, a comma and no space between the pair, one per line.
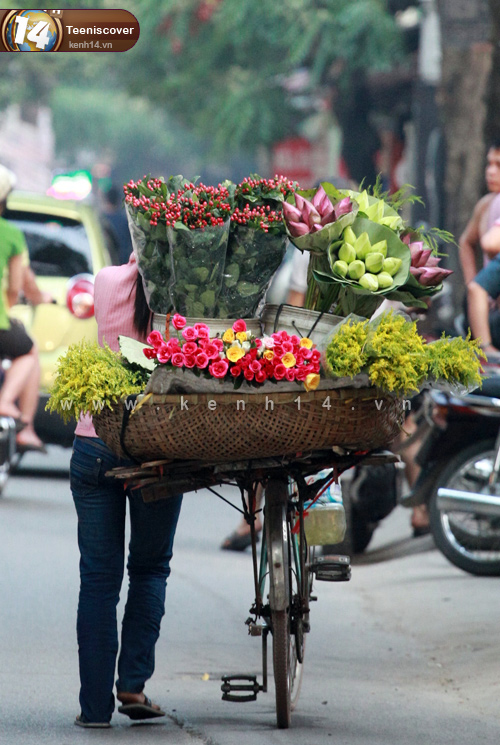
237,354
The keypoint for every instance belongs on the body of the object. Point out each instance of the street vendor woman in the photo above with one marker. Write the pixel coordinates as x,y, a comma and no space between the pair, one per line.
100,501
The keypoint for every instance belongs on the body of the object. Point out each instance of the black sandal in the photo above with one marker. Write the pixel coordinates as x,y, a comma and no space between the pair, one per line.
237,542
81,721
144,710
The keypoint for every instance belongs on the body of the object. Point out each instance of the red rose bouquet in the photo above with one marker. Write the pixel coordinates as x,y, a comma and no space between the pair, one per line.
237,354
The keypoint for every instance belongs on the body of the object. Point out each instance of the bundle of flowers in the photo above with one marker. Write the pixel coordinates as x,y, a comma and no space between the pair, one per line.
145,205
237,354
396,358
257,244
198,230
180,234
223,268
361,250
90,377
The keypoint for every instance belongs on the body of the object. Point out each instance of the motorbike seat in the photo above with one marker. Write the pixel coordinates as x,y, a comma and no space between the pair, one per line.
490,387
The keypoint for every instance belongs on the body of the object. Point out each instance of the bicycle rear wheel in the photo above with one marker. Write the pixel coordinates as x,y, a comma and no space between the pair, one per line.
288,645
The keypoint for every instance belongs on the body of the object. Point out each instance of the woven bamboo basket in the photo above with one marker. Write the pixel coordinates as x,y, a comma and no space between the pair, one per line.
225,427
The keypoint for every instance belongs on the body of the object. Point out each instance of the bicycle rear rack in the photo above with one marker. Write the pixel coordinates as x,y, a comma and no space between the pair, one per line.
335,568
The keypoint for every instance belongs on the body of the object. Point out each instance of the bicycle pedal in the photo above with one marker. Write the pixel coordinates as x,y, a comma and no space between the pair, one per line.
245,690
332,568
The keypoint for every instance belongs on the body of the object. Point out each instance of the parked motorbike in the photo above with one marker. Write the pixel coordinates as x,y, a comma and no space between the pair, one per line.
369,494
459,481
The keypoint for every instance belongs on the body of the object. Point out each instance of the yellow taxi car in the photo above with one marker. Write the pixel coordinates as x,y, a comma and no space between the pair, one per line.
67,247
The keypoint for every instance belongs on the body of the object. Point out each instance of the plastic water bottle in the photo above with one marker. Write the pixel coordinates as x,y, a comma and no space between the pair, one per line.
325,522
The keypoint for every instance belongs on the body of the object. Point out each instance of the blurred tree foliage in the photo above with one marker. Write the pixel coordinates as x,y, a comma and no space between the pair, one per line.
224,68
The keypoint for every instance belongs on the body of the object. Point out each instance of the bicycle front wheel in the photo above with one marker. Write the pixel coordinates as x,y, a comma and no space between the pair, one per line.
287,668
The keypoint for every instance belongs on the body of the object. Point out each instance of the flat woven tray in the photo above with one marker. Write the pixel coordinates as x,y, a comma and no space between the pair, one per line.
223,427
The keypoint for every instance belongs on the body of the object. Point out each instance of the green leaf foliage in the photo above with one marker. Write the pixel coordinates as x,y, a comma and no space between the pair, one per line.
132,351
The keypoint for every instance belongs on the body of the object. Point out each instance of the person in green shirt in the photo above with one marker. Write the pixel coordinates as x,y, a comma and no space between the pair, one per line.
17,392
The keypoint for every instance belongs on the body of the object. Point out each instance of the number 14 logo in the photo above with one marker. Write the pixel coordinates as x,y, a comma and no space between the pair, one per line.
37,33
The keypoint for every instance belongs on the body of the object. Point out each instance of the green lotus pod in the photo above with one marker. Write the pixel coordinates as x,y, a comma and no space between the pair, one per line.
347,253
340,268
362,200
369,282
375,211
392,222
380,247
384,280
374,262
362,245
349,236
356,269
391,265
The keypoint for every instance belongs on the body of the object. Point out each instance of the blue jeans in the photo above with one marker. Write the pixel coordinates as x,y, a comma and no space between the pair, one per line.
101,507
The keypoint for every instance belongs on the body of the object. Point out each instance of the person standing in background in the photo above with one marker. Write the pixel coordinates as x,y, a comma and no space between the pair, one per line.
484,215
484,290
116,225
19,392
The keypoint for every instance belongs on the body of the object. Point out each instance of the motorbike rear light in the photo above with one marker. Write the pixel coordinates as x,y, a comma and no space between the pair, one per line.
80,296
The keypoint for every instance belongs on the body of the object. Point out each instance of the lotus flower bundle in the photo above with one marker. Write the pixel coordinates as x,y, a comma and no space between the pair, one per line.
424,265
310,216
362,251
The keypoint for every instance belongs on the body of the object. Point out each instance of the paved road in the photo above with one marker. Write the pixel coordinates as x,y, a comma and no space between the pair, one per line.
406,653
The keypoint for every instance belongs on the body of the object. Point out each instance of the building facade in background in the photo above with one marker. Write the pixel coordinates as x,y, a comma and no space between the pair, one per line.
27,145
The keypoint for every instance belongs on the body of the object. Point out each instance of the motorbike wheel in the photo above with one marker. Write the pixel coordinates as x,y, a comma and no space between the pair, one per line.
471,542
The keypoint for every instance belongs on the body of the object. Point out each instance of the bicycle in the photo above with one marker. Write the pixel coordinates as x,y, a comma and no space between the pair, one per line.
286,567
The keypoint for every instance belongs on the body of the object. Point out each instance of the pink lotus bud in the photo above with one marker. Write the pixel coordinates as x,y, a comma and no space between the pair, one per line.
329,217
416,270
424,256
432,276
416,250
343,207
322,202
416,246
291,212
318,198
433,261
298,228
313,217
308,212
300,202
325,206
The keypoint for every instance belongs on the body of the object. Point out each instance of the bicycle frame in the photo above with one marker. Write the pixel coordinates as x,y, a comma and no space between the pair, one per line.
285,563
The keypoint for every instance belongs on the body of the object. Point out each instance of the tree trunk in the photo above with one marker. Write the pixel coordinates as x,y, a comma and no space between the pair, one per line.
462,100
492,129
466,66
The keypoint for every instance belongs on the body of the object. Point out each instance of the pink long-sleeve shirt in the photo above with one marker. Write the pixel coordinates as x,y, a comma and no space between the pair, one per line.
114,301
